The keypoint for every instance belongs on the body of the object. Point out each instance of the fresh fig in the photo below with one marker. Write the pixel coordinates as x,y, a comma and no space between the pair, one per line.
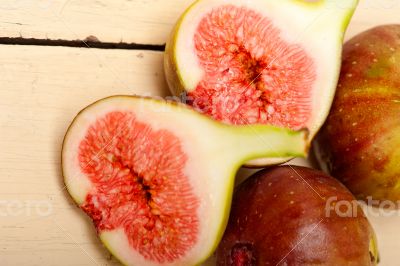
359,144
156,178
260,61
287,216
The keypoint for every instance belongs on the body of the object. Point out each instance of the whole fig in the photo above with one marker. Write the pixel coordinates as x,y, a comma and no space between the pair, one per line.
296,216
360,142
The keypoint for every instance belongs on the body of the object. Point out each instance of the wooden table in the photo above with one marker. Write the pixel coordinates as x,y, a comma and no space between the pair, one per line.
45,82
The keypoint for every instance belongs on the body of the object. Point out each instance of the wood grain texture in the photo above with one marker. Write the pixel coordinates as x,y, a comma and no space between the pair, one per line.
41,91
132,21
136,21
42,88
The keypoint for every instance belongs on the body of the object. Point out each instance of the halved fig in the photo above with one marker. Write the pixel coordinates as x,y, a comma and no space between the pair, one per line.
156,178
260,61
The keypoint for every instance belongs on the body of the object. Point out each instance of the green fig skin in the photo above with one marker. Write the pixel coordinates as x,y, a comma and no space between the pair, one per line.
359,143
279,217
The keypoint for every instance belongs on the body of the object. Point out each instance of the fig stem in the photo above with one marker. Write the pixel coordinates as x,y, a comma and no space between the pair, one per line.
261,141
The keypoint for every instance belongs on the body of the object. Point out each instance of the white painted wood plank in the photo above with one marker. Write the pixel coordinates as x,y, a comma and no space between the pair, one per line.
42,88
371,13
132,21
136,21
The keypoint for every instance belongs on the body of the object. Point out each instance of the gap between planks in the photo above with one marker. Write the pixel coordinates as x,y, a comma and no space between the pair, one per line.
90,42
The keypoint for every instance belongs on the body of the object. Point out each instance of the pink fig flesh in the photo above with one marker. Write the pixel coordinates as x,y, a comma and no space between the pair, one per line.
251,74
138,193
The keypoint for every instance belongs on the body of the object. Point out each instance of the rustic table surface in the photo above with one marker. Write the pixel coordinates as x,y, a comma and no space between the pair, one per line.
45,81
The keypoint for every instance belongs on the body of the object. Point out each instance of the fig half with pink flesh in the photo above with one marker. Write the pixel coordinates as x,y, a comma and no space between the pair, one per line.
260,61
296,216
156,178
